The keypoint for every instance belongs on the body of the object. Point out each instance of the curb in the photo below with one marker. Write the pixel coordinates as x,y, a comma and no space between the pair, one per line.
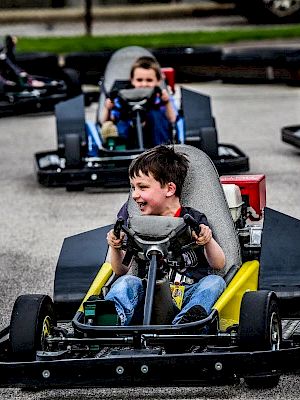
117,13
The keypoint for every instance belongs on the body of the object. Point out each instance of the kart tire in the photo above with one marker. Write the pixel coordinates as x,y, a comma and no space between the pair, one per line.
32,320
72,142
90,66
209,142
260,329
72,80
42,63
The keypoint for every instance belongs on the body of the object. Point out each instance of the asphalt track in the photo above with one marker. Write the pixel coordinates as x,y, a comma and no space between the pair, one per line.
35,220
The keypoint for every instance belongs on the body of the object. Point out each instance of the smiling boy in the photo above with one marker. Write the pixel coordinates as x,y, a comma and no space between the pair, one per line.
157,178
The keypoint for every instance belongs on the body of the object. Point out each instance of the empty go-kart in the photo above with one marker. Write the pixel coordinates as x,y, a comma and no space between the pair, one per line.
76,339
21,92
84,158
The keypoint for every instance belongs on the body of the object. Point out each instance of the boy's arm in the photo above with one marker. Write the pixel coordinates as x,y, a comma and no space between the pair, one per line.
116,254
171,113
105,115
212,250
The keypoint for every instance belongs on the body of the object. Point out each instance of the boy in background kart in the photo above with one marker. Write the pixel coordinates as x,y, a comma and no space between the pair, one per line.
145,73
157,178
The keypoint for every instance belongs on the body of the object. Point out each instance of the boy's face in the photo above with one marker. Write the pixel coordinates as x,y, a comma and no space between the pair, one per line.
144,78
150,196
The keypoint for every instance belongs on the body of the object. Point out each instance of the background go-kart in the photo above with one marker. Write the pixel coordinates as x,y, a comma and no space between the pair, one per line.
35,220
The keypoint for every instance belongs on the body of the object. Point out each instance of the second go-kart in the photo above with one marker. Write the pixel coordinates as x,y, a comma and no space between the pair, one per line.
84,159
21,92
76,340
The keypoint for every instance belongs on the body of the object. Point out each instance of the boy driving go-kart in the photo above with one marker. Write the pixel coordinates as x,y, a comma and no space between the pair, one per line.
159,110
78,339
98,154
156,179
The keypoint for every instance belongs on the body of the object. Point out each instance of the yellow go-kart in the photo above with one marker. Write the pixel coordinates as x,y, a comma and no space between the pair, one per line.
76,339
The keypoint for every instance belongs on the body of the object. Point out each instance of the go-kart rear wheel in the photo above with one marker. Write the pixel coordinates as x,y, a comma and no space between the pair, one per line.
72,142
32,320
260,329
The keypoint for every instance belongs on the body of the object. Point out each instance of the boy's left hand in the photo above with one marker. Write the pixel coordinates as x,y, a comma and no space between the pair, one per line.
165,96
204,236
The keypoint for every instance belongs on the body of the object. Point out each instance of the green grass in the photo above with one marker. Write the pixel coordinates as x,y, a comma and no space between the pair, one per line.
62,45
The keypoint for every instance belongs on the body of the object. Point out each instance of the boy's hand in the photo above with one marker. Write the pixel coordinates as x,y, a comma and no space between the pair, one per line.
113,241
165,96
109,104
204,236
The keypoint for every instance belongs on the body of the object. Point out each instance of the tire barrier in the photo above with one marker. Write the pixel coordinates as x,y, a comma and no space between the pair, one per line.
192,64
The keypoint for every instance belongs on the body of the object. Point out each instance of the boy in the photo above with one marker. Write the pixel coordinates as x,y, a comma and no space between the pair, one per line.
157,178
145,73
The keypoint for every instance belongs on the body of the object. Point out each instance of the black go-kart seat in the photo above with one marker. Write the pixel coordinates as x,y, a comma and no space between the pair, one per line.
203,191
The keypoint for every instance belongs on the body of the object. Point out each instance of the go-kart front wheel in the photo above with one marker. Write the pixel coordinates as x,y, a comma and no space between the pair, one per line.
260,329
32,320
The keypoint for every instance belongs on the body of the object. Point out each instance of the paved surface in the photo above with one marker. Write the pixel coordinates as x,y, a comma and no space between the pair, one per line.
35,220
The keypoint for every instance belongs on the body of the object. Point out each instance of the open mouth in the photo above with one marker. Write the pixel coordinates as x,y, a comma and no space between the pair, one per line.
142,205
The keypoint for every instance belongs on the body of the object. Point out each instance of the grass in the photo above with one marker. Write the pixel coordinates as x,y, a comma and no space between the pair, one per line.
62,45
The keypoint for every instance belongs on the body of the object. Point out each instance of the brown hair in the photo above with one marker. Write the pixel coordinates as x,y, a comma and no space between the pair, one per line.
146,63
164,164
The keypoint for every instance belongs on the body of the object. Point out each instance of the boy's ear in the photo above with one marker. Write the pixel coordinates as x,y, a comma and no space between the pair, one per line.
171,189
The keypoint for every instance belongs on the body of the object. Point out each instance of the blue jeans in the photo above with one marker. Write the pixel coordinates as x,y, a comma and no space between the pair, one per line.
128,294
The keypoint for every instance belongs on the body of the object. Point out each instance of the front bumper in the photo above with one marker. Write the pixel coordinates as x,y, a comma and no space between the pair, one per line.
210,368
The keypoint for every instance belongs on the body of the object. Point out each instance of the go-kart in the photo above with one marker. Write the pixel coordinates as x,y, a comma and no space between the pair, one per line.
76,339
291,135
21,92
84,158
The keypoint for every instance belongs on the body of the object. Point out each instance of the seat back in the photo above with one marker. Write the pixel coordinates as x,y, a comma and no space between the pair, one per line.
197,111
203,191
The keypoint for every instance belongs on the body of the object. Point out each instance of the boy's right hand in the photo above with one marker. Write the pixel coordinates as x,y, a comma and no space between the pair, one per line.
113,241
109,103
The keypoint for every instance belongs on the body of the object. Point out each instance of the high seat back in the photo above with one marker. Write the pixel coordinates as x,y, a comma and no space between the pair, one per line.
203,191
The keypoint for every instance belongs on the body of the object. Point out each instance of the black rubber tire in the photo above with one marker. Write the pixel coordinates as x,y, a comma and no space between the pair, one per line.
260,329
72,79
31,320
256,11
209,142
254,332
90,66
38,63
72,142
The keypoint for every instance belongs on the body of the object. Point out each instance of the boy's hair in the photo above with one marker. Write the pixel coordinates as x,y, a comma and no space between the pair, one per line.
146,62
164,164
